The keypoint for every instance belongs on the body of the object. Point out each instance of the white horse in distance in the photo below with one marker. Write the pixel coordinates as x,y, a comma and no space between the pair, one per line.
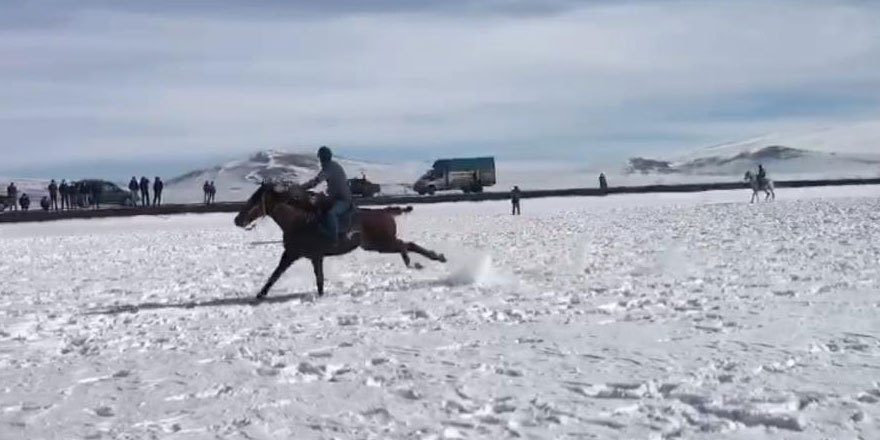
768,189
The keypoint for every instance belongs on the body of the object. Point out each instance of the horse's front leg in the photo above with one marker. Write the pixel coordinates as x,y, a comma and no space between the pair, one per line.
318,265
286,260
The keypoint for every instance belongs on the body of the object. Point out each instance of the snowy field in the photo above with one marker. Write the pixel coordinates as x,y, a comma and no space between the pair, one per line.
655,316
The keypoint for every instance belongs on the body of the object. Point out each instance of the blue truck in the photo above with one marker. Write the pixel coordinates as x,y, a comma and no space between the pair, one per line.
465,174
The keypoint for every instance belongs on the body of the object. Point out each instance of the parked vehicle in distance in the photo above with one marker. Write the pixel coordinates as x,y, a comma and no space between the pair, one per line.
110,193
362,187
467,174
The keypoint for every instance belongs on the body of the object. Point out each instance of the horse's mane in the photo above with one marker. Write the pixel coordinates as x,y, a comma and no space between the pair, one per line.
305,206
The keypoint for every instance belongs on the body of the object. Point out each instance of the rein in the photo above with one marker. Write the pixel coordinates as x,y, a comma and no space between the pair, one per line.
309,216
263,209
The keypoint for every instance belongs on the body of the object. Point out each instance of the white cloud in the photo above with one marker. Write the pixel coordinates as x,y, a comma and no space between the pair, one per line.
119,84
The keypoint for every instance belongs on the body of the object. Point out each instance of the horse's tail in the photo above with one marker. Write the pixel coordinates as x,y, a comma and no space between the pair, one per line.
393,210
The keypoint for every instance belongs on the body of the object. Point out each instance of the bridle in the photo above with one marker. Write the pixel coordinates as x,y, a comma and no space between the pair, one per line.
309,216
263,205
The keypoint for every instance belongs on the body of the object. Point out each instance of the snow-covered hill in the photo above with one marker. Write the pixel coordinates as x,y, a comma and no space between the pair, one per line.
844,151
235,180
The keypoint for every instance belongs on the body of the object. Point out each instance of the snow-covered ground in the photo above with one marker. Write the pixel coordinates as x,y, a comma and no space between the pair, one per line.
646,316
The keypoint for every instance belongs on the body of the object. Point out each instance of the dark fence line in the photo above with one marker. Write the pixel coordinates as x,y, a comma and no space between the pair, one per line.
39,215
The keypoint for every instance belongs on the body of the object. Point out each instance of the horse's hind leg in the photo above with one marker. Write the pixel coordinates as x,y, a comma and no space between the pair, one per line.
393,246
403,248
429,254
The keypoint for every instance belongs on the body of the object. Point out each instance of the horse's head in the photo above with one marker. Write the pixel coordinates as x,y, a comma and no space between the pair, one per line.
260,204
748,176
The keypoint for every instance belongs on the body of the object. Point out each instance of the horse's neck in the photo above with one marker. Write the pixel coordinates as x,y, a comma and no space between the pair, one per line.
287,216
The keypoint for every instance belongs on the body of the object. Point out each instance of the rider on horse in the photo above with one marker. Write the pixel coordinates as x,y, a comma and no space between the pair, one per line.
337,191
762,177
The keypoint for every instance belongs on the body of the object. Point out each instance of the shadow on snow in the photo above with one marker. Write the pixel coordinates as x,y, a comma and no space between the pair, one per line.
217,302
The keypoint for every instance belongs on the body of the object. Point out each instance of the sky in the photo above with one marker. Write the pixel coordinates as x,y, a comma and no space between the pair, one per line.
164,86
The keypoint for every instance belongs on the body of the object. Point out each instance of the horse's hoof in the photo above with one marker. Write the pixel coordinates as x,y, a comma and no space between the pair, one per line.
418,266
441,258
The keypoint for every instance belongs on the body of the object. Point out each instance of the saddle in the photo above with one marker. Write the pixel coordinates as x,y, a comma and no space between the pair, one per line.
321,206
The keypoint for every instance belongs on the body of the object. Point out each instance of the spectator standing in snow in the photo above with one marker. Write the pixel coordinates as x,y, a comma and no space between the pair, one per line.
12,193
206,189
212,192
145,191
135,188
158,186
514,201
24,201
45,203
96,192
64,189
603,183
84,191
53,195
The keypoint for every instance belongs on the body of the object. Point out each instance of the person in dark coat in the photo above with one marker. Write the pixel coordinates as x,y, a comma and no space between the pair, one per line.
212,192
206,189
134,187
84,192
45,203
158,186
762,177
514,200
64,190
53,195
24,202
145,191
12,193
96,191
603,183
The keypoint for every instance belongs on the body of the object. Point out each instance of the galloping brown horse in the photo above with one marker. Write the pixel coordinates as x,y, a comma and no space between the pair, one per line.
297,213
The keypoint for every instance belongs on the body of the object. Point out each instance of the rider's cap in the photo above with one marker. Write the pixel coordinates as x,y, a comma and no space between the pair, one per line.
324,154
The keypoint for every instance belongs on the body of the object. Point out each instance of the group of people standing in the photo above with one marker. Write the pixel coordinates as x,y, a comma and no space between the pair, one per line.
66,192
210,192
140,190
69,195
73,195
61,196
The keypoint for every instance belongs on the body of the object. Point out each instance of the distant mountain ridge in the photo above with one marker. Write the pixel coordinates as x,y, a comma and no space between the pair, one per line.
840,151
236,180
264,165
779,158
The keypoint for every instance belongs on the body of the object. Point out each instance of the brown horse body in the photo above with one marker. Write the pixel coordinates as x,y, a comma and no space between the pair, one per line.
298,212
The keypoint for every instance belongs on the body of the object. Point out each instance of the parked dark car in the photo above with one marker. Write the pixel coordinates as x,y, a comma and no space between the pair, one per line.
362,187
110,193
